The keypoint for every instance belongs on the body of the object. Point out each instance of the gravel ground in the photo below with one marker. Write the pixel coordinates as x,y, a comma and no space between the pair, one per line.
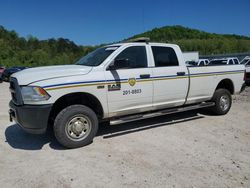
191,149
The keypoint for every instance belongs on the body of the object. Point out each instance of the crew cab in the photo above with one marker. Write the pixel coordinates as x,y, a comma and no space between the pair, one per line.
117,83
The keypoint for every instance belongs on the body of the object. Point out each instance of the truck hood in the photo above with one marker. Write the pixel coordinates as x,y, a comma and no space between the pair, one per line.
32,75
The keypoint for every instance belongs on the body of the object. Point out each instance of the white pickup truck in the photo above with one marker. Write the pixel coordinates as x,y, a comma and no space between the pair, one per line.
117,83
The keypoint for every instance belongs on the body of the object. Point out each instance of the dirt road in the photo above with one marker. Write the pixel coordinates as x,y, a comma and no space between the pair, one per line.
190,149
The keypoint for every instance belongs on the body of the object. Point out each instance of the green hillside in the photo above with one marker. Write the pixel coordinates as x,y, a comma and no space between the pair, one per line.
30,51
196,40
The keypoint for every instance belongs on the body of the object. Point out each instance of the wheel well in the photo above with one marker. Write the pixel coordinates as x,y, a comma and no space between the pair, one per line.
226,84
76,98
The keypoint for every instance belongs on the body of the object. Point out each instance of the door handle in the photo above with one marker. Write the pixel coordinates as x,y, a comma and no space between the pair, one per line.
145,76
180,73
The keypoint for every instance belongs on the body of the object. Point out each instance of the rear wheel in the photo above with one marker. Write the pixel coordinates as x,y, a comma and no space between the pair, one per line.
75,126
223,101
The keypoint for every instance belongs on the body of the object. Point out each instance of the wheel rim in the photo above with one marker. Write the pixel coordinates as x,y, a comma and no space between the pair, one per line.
78,128
224,102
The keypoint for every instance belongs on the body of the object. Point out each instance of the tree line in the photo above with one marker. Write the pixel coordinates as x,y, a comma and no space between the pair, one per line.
31,52
196,40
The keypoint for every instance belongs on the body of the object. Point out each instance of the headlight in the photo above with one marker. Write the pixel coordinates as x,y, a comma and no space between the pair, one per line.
34,94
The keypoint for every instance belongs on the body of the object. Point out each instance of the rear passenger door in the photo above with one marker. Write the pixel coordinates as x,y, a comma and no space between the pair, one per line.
170,80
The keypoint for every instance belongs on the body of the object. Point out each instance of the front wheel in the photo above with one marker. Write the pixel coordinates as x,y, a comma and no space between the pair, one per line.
223,101
75,126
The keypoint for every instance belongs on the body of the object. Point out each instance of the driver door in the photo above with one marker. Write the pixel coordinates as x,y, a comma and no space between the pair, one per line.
129,89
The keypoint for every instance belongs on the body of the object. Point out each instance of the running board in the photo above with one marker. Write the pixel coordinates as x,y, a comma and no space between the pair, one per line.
136,117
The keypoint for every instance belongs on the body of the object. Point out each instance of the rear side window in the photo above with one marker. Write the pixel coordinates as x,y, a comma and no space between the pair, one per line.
135,55
164,56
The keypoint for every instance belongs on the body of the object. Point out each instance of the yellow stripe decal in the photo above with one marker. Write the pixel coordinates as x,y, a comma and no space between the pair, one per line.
146,80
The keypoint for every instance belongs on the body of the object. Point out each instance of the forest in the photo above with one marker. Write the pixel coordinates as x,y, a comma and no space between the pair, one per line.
31,52
196,40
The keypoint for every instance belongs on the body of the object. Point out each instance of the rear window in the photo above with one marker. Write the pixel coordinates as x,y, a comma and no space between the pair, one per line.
164,56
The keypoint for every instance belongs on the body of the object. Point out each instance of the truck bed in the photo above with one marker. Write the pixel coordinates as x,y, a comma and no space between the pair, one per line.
202,80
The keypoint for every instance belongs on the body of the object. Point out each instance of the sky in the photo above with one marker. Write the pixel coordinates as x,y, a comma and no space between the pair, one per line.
93,22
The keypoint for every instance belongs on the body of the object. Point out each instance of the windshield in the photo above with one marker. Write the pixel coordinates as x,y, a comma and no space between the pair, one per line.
218,62
96,57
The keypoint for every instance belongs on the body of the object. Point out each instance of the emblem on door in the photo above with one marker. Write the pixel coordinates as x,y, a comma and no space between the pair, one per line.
132,81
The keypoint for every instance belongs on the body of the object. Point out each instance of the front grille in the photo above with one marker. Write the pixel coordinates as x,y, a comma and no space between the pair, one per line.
15,92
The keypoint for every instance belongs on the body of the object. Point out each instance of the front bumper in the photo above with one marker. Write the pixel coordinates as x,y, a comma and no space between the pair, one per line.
32,118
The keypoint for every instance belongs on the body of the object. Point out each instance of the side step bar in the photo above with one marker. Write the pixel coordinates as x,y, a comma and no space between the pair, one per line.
136,117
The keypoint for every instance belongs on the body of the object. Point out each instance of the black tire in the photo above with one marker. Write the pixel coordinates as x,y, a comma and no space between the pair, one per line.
221,108
75,126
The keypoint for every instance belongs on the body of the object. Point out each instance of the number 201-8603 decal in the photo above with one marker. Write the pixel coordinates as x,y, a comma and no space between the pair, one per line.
132,92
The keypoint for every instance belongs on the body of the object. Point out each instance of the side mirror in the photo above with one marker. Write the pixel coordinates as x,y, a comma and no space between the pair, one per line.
119,64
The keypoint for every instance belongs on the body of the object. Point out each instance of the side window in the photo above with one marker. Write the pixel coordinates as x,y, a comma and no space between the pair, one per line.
136,56
164,56
202,63
231,62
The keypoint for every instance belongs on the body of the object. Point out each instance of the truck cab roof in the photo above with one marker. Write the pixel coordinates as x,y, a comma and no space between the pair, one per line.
144,43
